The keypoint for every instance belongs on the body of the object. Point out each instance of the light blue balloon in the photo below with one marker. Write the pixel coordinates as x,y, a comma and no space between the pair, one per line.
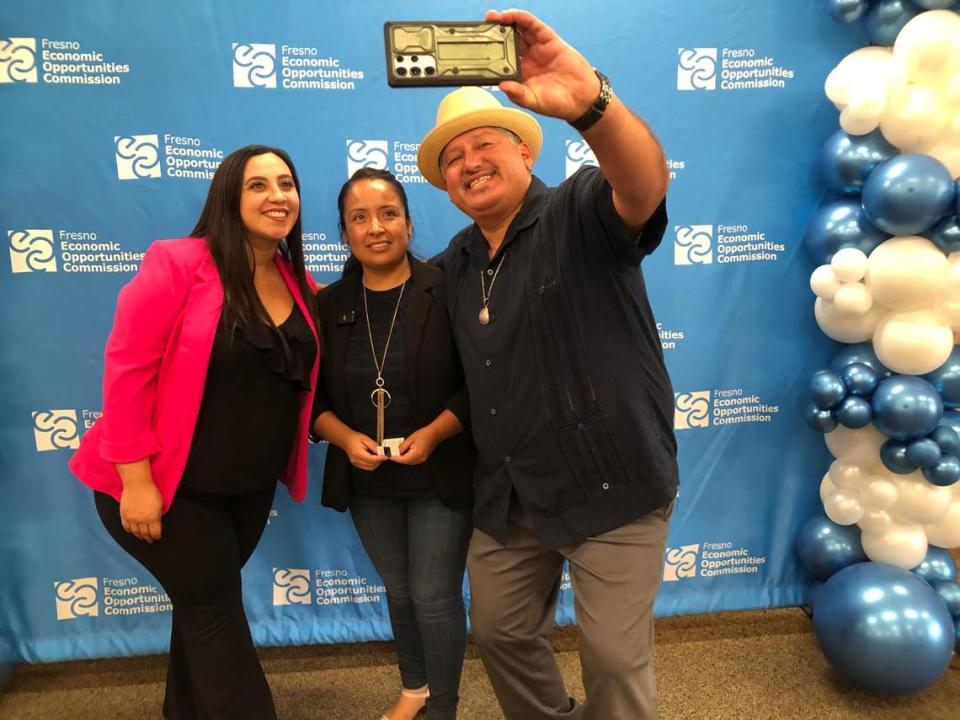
862,353
821,420
847,160
906,407
946,234
848,11
947,439
923,453
934,4
855,412
825,547
946,379
886,19
949,592
859,379
946,471
951,419
827,389
884,629
937,564
893,455
908,194
838,225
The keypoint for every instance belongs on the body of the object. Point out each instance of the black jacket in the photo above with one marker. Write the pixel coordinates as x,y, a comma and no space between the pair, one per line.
434,375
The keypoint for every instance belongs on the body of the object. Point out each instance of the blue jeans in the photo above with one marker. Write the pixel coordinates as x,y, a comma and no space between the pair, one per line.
419,548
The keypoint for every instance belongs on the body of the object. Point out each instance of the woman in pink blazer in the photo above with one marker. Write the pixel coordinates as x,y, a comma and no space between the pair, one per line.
208,391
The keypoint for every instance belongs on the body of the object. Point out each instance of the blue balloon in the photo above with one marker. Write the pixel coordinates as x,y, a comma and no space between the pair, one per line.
908,194
946,379
859,379
825,547
860,353
821,420
893,455
937,564
810,595
947,439
838,225
949,592
827,389
951,419
956,637
884,629
946,234
846,160
886,19
946,471
934,4
906,407
923,453
848,11
855,412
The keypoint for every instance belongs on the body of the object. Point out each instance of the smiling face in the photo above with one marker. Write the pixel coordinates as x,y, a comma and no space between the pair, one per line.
269,202
375,224
487,172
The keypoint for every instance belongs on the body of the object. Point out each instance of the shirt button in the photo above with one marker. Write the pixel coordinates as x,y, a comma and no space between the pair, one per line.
493,411
487,363
507,458
489,271
579,426
606,486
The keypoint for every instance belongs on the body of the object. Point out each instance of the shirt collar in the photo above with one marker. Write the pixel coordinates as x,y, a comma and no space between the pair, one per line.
533,202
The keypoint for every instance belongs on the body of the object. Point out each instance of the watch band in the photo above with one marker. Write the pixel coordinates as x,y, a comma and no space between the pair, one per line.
595,111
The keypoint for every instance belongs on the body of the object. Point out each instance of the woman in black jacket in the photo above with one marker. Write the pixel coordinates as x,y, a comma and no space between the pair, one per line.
392,402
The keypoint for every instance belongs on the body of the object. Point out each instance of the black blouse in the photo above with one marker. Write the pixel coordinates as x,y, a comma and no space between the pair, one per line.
250,408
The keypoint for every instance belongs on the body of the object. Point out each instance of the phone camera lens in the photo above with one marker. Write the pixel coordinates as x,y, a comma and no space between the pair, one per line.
415,71
401,71
429,71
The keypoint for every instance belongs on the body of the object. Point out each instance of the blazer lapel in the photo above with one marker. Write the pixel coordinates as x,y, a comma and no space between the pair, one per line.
342,320
419,305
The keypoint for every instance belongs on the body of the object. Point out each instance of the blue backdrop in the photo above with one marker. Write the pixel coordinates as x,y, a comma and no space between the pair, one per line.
115,116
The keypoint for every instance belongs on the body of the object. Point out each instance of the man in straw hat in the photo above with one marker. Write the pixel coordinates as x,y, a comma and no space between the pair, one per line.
572,407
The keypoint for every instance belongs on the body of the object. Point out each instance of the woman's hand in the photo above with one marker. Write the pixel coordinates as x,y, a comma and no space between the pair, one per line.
140,509
418,446
362,451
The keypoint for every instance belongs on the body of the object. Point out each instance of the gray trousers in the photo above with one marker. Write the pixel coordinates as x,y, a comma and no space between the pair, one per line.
514,592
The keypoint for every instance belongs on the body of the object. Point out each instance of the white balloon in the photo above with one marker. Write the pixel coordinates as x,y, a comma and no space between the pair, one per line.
866,67
947,312
928,47
826,487
919,501
904,546
855,123
849,265
915,118
845,474
878,494
853,298
845,327
875,521
824,282
947,148
861,446
945,532
912,343
906,273
843,508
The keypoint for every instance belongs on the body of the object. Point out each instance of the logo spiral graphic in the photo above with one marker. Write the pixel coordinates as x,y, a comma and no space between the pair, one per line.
680,562
138,156
254,65
55,429
31,250
693,245
366,153
18,60
697,69
578,154
692,410
291,586
76,598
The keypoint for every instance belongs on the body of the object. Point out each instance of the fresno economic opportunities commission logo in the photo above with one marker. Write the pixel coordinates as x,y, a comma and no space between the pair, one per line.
83,597
723,406
737,69
62,62
724,245
709,559
394,155
153,155
298,67
323,586
48,250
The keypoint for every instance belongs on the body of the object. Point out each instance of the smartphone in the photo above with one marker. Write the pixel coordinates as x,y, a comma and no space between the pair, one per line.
439,53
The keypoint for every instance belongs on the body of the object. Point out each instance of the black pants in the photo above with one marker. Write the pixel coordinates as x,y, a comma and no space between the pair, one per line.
213,671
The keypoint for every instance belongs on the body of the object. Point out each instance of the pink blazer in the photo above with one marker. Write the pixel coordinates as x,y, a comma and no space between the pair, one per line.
156,366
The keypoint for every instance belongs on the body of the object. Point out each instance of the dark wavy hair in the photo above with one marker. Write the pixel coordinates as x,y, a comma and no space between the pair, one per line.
226,235
367,173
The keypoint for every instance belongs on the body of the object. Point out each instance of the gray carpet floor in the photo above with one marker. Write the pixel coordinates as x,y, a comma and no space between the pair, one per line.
722,666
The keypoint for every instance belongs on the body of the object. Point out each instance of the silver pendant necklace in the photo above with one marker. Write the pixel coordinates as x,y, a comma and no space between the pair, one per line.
380,397
486,292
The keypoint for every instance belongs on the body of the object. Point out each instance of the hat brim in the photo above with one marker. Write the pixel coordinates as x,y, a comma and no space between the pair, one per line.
522,124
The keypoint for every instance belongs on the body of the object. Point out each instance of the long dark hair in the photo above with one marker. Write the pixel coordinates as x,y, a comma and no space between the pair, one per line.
226,235
367,173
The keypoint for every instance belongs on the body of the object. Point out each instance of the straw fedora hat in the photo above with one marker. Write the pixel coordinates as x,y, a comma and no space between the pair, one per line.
468,108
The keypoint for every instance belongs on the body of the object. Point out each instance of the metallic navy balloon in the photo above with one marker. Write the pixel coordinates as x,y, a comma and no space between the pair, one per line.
860,353
825,547
923,453
884,629
906,407
848,11
956,637
944,472
946,234
859,379
893,455
855,412
949,592
837,225
847,160
827,389
947,439
886,19
810,594
946,379
934,4
821,420
908,194
937,565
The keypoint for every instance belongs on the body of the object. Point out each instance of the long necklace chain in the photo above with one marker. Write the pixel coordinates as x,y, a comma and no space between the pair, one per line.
485,292
380,365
